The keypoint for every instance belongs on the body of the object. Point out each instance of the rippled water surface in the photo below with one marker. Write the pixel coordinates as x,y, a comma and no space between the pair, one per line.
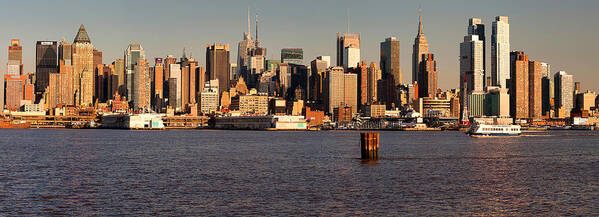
117,172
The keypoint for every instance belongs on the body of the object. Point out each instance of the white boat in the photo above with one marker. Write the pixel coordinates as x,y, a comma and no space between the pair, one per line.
486,130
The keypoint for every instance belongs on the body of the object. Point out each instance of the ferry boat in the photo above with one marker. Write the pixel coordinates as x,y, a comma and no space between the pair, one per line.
485,130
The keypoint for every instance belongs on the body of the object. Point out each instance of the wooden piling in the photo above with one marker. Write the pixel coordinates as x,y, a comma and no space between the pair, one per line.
369,145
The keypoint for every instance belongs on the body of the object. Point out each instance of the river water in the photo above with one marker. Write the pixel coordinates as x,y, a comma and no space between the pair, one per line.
222,173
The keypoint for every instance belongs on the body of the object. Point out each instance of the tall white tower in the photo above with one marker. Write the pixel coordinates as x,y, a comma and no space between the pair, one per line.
500,51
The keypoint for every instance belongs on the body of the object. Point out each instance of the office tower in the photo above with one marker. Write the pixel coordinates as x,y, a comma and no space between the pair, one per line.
342,89
67,92
174,85
119,69
99,77
374,76
243,51
283,79
351,40
141,85
15,58
318,69
45,64
299,82
292,55
15,91
427,80
564,90
390,59
586,101
167,62
577,89
113,82
535,90
201,78
326,59
500,52
52,93
188,81
420,47
217,65
133,52
158,84
518,85
476,27
362,70
83,68
471,64
547,91
65,52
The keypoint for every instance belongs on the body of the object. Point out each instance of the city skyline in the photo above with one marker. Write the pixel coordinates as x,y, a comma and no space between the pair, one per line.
526,24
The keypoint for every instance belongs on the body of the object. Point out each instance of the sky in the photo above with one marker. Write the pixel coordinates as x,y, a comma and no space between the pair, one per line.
561,33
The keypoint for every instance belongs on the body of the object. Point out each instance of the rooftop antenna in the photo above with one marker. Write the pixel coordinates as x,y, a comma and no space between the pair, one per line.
420,21
257,42
347,23
249,21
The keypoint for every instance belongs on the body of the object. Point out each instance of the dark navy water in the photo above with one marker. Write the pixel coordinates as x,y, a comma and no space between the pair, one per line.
221,173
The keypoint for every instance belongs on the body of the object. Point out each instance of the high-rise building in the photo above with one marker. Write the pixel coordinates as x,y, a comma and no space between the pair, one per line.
344,41
471,64
342,89
547,91
535,89
518,85
564,90
243,52
158,84
133,52
420,47
174,85
141,85
500,52
217,65
326,59
292,55
476,27
15,58
390,59
318,85
427,80
586,101
362,70
374,76
83,68
67,93
45,64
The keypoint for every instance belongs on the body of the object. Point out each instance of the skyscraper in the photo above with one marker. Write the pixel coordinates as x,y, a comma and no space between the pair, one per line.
133,52
564,94
344,41
217,65
476,27
390,59
157,93
342,89
420,47
83,68
174,85
292,55
363,83
518,85
548,90
45,64
141,85
351,57
471,64
243,52
374,76
15,58
535,91
500,52
427,80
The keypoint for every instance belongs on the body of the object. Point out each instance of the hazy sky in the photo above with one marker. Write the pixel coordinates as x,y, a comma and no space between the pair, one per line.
562,33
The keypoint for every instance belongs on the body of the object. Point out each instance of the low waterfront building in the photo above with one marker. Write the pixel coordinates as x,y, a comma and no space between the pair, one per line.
375,111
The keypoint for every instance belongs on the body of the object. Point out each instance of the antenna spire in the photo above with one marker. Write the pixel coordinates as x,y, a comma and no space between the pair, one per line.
257,42
249,21
347,22
420,21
